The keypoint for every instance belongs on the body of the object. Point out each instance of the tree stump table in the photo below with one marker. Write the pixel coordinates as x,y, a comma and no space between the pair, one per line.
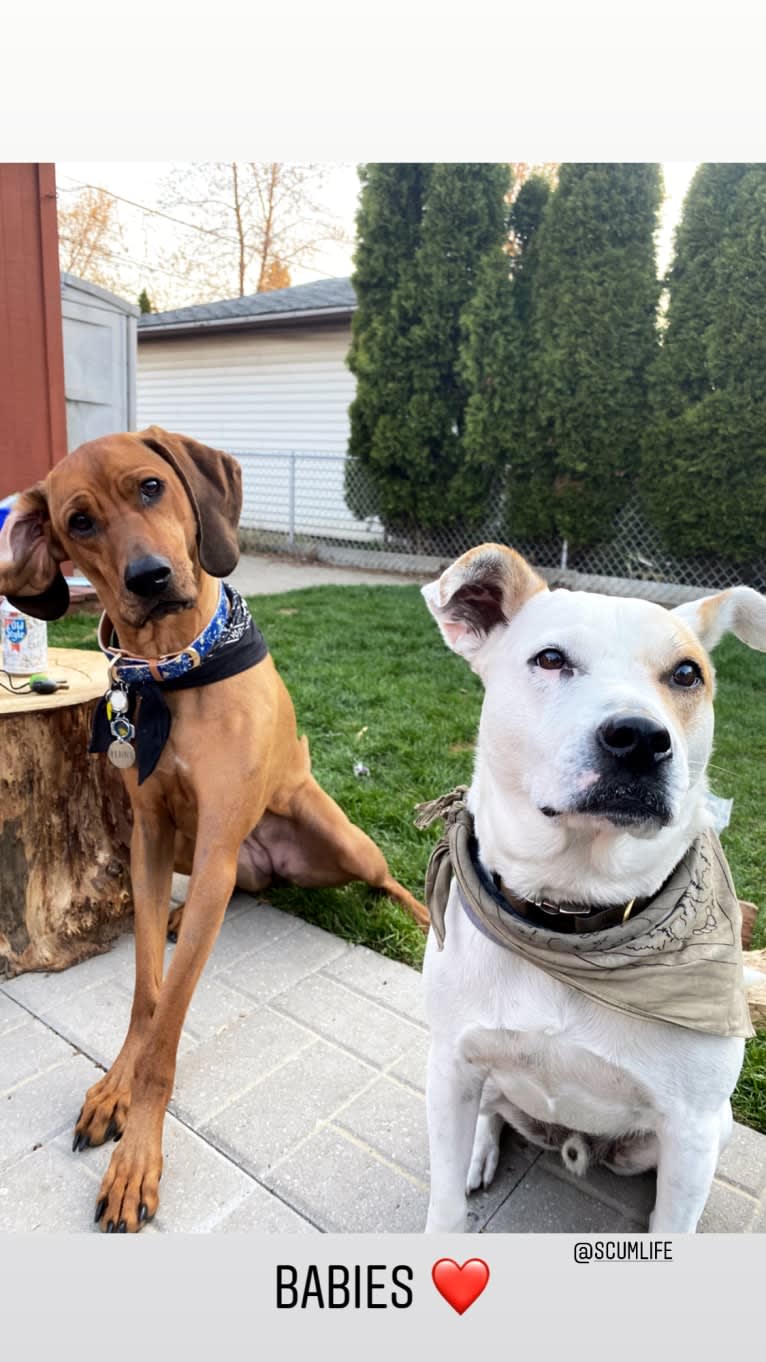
64,824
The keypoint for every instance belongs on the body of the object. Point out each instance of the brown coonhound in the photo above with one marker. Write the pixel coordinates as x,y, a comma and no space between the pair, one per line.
151,519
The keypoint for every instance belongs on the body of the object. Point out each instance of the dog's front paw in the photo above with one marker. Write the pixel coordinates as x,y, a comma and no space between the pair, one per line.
129,1195
104,1111
486,1153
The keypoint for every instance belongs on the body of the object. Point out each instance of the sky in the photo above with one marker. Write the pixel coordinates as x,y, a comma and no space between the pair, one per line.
140,181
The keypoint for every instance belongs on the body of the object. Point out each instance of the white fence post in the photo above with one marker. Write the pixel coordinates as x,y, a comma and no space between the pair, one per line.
291,503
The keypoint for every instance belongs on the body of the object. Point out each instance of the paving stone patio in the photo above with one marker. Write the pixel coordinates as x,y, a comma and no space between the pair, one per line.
298,1106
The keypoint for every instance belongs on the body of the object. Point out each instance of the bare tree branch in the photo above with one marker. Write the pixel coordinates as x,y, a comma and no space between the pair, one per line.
89,234
271,211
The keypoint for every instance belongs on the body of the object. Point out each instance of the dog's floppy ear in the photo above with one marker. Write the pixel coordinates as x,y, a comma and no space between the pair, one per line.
480,591
739,611
30,554
213,483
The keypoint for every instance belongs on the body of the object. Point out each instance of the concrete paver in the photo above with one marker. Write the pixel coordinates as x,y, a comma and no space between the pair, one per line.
264,1213
743,1163
728,1211
11,1015
383,980
342,1186
391,1120
27,1050
633,1196
372,1033
47,1191
298,1105
271,970
285,1108
222,1070
545,1204
36,1111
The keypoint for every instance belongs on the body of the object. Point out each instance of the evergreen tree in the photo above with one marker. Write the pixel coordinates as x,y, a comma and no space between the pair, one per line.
388,233
489,367
526,216
426,233
526,514
592,337
464,231
144,301
704,463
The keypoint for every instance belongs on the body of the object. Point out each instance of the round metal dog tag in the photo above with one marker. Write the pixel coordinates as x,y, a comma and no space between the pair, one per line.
121,753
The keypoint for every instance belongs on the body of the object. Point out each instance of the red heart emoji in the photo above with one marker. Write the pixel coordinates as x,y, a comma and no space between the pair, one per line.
461,1286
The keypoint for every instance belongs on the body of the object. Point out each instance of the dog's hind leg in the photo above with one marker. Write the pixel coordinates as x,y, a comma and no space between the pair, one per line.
486,1151
315,845
633,1154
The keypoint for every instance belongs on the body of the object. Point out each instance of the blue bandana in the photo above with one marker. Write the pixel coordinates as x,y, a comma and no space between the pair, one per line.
229,644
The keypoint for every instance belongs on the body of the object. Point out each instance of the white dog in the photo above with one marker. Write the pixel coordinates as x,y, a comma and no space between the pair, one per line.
589,788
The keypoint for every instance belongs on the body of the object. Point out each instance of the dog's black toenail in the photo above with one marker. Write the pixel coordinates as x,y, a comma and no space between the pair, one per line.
100,1208
110,1227
122,1228
142,1213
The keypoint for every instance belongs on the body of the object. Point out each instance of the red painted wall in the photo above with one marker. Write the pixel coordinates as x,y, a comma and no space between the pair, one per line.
32,406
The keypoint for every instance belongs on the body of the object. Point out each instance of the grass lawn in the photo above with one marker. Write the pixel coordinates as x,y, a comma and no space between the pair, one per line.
373,682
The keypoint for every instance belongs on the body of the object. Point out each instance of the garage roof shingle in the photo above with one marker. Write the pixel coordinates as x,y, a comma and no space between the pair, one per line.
325,297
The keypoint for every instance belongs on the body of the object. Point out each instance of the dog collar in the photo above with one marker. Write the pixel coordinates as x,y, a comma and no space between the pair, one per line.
135,707
571,917
136,670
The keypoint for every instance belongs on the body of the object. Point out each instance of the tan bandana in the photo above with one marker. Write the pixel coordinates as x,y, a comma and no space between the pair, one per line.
693,923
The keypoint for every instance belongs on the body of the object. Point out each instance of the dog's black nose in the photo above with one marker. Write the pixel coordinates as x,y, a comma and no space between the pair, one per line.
639,743
148,576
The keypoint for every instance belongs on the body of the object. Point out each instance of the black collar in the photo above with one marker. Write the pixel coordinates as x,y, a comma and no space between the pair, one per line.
555,917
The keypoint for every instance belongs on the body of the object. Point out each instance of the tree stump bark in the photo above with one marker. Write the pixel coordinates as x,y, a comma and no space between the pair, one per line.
749,913
64,825
756,989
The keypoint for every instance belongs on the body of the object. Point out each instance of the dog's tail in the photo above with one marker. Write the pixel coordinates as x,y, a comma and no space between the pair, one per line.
575,1152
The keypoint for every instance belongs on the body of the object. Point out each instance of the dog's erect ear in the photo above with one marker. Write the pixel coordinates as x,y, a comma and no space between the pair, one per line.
213,482
480,591
30,575
739,611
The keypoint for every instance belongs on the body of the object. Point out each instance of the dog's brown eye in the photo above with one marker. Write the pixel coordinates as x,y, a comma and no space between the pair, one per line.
80,523
687,674
551,660
151,489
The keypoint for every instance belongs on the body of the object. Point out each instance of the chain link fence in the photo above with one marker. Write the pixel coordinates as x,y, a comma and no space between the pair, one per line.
295,502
